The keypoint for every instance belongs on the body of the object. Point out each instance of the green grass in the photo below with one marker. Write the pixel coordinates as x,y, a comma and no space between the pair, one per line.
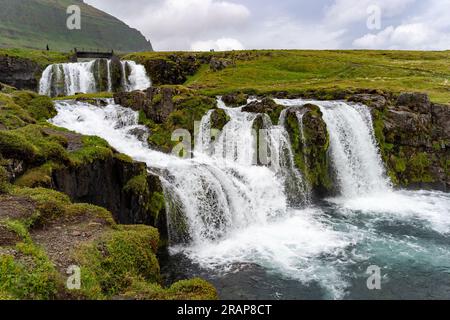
296,71
42,58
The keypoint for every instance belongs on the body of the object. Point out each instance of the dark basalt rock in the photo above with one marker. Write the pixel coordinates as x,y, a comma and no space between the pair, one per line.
235,99
266,105
408,128
219,118
116,74
310,147
173,69
103,182
19,73
139,133
217,64
414,137
155,102
375,101
417,102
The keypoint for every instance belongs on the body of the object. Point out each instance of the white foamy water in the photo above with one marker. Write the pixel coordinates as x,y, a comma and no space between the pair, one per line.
237,212
80,77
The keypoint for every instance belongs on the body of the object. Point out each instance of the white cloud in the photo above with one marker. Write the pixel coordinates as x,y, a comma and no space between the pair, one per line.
175,24
416,36
427,30
285,24
223,44
345,12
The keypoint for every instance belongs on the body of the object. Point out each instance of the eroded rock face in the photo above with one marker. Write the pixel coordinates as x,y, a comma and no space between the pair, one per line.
19,73
416,102
116,74
174,69
103,183
408,128
155,102
375,101
414,136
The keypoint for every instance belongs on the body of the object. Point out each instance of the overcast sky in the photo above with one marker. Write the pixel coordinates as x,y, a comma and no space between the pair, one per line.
286,24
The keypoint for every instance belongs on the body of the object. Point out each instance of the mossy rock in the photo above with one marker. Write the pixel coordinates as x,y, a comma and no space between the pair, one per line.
152,201
267,106
235,99
41,108
219,119
310,147
119,257
193,289
37,280
12,115
4,180
184,109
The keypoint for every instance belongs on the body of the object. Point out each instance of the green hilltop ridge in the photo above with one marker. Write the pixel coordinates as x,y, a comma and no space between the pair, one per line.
35,23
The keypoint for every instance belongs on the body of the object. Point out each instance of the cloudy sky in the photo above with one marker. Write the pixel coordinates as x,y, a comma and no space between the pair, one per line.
287,24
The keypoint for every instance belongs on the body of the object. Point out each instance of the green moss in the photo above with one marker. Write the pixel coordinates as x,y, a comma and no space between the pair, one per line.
194,289
138,184
37,177
113,262
400,164
123,157
87,96
219,119
42,107
13,116
419,168
4,180
30,276
94,148
84,209
310,147
151,201
16,146
157,98
23,98
49,203
157,204
18,227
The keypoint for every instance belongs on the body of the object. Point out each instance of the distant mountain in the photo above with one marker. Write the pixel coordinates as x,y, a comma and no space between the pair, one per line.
36,23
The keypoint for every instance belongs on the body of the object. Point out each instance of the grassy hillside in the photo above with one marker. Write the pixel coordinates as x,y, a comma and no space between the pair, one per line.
36,23
41,57
299,71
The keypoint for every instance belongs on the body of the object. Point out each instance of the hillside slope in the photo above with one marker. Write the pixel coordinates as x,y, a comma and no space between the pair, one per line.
36,23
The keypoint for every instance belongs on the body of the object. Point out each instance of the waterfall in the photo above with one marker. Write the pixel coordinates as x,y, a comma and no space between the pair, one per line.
354,149
224,211
238,144
354,152
89,77
214,196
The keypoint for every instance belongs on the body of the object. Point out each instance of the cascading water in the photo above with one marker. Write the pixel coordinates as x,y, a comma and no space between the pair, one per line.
227,213
354,151
88,77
